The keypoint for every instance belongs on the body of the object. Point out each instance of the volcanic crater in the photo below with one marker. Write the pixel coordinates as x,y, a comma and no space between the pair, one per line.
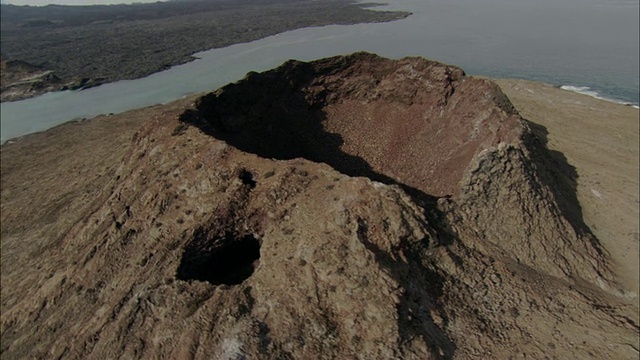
349,207
424,126
413,122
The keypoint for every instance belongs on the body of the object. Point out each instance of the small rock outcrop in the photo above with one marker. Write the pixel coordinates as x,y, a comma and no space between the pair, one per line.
351,207
21,80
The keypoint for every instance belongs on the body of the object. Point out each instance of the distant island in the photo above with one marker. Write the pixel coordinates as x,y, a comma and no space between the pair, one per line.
70,47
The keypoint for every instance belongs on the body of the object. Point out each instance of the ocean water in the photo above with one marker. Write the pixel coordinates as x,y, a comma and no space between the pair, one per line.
580,43
589,46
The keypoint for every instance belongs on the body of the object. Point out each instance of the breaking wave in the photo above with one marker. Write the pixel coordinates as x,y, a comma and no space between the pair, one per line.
588,91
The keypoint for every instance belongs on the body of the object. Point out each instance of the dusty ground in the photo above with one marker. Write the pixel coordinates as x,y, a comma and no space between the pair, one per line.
600,139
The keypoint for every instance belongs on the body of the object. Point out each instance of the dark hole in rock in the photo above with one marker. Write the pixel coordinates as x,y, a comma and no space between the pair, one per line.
247,178
227,260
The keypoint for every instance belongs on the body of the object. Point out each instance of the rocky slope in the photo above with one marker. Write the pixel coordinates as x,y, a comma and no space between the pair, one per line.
352,207
21,79
600,139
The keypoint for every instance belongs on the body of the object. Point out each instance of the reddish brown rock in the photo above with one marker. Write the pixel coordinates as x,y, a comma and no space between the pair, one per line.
353,207
425,126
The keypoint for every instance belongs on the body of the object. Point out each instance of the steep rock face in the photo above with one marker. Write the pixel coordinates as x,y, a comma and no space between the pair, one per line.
197,248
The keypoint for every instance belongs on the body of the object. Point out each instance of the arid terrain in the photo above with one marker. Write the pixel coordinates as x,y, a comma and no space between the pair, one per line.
360,208
600,140
85,46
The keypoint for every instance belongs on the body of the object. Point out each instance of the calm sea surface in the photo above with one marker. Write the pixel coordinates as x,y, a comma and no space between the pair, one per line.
586,45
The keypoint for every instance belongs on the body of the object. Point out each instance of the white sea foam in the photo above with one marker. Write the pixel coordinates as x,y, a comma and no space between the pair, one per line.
585,90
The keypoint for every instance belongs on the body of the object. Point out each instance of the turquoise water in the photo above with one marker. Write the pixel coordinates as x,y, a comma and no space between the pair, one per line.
587,44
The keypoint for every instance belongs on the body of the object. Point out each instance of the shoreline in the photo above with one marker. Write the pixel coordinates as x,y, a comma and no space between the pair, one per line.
85,47
497,80
587,90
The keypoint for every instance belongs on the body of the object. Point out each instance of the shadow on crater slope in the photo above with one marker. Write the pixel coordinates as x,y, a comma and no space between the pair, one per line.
272,116
563,177
412,122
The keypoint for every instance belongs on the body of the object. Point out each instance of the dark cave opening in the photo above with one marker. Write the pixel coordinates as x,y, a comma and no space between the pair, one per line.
227,260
